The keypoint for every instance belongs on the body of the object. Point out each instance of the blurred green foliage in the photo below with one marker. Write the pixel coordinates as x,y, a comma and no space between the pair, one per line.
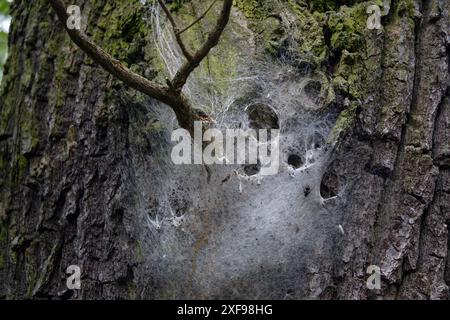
4,13
4,7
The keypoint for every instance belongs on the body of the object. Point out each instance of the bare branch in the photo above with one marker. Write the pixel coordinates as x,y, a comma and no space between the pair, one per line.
171,95
199,18
186,115
180,42
213,39
104,59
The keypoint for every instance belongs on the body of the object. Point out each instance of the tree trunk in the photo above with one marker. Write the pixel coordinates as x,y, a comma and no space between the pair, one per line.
87,180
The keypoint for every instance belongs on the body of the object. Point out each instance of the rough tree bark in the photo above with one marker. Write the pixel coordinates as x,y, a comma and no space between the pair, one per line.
70,137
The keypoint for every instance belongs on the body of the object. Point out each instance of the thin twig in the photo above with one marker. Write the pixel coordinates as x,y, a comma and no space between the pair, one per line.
180,42
199,18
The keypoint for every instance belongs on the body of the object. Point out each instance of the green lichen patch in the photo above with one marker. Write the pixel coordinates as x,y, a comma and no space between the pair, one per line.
124,30
347,27
343,124
255,9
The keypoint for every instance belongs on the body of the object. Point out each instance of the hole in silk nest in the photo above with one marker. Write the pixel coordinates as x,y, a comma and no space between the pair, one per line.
252,169
262,116
295,161
329,187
